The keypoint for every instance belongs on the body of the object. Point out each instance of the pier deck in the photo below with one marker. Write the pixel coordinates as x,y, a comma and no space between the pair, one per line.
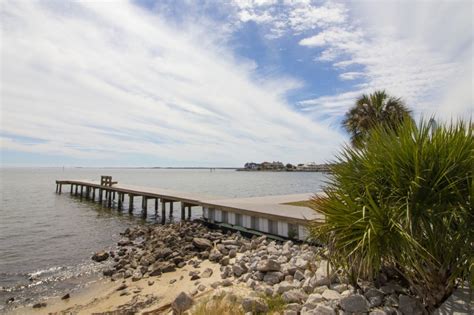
269,214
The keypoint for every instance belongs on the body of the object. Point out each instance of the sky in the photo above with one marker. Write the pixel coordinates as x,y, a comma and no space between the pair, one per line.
218,83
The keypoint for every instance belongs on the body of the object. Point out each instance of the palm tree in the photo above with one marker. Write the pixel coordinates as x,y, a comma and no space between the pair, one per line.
371,110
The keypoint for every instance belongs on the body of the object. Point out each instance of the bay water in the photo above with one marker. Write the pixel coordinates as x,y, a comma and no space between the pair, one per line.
46,239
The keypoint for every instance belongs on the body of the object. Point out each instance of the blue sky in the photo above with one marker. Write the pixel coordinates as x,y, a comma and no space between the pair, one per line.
217,83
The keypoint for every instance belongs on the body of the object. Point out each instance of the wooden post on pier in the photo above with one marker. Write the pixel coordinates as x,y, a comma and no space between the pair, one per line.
163,211
100,194
93,193
76,189
60,188
113,195
82,189
130,203
189,212
120,200
72,186
144,205
156,206
171,208
109,199
183,211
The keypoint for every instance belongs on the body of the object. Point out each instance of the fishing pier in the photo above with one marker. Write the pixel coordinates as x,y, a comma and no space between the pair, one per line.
270,214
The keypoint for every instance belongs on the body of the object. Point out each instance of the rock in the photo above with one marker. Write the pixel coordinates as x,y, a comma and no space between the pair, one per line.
375,301
283,287
215,255
10,300
224,261
267,265
100,256
254,305
124,292
238,270
290,312
202,243
408,305
108,272
172,281
123,286
324,310
226,283
329,294
298,275
163,253
378,312
151,282
232,253
182,303
207,273
195,277
201,287
293,307
314,298
301,263
65,296
355,304
294,296
273,277
136,276
39,305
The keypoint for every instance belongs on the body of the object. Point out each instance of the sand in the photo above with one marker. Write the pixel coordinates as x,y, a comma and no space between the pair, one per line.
103,296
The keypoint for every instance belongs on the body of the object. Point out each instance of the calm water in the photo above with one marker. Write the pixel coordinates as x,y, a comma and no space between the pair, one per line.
50,237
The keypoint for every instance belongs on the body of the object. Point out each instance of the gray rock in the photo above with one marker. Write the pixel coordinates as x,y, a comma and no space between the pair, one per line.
239,270
283,287
224,261
355,304
226,283
232,253
254,305
215,255
408,305
267,265
136,276
290,312
273,277
314,298
182,303
207,273
202,243
294,296
324,310
201,287
329,294
298,275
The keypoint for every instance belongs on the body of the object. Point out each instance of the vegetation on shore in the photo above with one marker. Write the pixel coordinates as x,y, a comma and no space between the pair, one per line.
403,203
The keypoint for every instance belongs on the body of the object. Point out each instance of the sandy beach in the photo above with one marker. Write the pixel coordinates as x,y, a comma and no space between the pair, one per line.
140,297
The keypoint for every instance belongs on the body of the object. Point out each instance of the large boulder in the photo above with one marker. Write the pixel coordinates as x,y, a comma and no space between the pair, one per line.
202,243
267,265
182,303
355,304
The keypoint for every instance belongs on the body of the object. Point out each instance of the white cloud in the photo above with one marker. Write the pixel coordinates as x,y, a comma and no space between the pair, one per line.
294,17
411,49
97,80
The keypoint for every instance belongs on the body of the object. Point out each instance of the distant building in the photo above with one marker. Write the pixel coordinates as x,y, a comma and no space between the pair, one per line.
252,166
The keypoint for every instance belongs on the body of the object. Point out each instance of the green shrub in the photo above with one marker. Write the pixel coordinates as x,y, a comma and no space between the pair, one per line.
404,201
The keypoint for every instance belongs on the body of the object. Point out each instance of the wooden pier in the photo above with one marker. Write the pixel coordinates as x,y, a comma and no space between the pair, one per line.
268,214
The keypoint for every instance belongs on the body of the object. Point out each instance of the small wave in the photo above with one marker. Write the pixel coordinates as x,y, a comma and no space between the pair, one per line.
49,270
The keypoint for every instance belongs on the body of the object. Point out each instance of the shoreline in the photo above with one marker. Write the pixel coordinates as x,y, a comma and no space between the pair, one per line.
155,269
